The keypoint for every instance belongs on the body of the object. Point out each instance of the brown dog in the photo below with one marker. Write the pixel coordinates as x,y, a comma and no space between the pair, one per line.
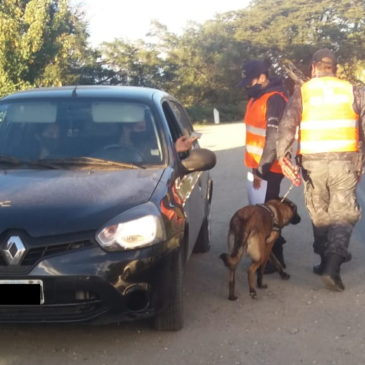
253,230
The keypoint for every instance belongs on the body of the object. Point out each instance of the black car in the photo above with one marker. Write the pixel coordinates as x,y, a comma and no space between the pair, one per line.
98,211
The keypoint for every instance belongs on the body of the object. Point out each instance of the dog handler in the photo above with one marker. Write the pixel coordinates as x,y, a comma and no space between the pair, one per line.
330,114
267,100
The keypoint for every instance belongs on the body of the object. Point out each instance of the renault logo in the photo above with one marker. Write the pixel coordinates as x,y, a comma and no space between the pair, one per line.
14,250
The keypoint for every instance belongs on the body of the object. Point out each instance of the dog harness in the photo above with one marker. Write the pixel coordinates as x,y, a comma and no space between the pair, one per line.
275,225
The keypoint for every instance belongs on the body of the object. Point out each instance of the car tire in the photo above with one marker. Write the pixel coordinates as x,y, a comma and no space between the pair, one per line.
203,242
172,317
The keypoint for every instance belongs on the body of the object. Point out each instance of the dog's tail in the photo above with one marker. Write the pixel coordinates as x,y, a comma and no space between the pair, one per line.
236,245
231,261
238,237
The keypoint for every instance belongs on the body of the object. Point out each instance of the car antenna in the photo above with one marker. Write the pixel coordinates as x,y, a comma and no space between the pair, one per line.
74,94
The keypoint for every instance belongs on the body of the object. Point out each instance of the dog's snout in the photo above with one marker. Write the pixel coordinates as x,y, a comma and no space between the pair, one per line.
296,219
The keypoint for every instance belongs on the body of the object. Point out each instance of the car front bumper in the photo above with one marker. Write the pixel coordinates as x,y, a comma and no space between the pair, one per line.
92,285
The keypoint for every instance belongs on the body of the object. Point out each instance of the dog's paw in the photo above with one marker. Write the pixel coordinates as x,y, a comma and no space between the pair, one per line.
262,286
253,293
232,297
284,276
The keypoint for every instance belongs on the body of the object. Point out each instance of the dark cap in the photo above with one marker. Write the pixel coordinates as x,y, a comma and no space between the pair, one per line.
324,55
253,69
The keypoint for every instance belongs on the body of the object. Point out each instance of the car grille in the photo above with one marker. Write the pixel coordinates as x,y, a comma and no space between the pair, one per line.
35,254
67,312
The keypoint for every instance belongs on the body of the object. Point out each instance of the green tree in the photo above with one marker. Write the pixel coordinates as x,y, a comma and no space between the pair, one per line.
202,67
294,29
134,63
42,43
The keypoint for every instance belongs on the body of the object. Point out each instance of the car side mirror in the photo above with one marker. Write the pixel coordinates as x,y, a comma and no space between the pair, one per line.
199,160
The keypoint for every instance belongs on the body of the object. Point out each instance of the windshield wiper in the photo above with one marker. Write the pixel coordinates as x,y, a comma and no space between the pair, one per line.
64,162
16,162
87,161
11,160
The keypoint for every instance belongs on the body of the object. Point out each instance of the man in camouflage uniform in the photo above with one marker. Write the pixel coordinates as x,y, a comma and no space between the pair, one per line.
330,114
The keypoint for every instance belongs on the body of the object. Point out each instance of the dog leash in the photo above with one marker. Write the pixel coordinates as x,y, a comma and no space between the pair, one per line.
287,193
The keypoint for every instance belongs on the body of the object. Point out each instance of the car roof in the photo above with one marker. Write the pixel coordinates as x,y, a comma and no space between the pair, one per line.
90,91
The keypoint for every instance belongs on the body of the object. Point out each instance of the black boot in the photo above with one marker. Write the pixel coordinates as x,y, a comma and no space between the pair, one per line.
331,273
269,268
277,250
318,269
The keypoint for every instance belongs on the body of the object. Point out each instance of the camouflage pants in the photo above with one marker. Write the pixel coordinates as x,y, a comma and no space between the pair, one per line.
330,197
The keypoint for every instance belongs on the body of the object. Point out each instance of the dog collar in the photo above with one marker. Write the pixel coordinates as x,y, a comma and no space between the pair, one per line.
275,225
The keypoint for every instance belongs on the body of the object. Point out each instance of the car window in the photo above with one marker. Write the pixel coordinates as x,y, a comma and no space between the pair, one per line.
176,129
121,131
179,122
181,117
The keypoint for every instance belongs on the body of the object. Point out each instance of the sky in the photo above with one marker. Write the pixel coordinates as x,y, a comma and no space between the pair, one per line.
130,19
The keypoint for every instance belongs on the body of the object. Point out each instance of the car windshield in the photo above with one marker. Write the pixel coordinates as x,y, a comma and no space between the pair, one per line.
78,131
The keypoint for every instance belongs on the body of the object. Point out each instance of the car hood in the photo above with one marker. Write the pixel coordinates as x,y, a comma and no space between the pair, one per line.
52,202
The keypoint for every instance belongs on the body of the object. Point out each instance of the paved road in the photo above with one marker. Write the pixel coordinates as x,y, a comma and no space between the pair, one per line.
292,322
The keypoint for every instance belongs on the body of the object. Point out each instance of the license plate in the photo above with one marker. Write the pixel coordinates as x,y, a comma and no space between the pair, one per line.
21,292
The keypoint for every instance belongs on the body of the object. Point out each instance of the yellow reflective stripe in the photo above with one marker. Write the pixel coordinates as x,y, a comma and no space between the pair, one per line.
256,130
328,146
331,99
254,150
350,134
328,124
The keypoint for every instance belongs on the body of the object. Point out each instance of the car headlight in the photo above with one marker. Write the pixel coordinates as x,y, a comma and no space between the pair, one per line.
132,234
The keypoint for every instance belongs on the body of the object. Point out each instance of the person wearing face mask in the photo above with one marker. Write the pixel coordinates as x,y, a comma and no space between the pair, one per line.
265,107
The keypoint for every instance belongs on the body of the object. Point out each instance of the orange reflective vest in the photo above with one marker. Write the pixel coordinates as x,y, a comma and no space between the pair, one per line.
255,119
329,123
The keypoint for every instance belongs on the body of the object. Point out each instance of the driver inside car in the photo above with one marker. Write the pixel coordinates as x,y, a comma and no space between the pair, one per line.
134,134
138,135
136,140
48,140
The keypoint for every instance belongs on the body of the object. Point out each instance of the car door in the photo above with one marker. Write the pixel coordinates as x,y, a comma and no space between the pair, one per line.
192,187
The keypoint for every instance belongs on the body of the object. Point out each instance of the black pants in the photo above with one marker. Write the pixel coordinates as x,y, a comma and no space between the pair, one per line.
273,185
273,191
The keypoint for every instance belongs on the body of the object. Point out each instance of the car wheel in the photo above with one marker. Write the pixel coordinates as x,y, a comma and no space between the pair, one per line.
171,318
203,242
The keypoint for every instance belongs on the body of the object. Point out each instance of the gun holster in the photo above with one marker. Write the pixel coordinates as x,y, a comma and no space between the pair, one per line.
298,160
305,175
359,163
